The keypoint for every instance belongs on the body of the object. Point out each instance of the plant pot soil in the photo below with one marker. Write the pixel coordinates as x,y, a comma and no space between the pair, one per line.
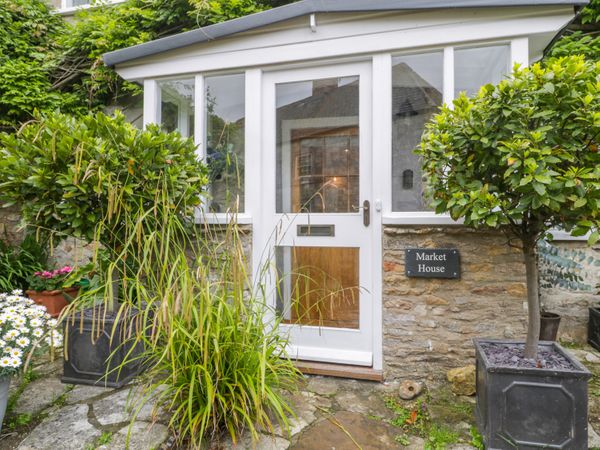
594,327
90,354
54,301
549,323
520,405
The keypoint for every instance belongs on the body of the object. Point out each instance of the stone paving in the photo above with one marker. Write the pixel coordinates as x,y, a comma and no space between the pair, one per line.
332,414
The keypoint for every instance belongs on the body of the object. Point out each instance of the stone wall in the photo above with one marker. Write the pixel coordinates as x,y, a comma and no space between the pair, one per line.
569,282
429,324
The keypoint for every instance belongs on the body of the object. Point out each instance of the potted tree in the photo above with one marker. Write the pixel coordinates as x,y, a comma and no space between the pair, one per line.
523,157
96,178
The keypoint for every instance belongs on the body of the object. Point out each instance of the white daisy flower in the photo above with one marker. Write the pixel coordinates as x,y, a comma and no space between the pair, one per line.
52,323
23,341
17,292
15,362
5,361
16,353
36,322
11,334
37,332
2,343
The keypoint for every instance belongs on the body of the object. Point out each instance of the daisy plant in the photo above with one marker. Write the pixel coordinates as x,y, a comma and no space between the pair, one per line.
24,327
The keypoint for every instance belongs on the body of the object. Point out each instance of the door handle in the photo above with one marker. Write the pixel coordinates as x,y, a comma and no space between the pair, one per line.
366,209
366,213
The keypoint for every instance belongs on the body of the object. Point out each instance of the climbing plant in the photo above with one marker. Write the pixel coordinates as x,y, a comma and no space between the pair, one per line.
47,63
582,36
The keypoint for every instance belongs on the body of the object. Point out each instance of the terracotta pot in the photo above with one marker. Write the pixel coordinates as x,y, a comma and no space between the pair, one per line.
54,301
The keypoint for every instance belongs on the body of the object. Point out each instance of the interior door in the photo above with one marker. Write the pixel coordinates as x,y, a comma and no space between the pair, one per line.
316,211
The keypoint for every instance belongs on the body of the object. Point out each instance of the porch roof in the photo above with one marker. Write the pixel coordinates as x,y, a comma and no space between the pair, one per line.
303,8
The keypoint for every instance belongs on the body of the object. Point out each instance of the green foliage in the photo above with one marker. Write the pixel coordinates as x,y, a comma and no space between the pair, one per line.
80,177
583,36
215,362
47,63
414,418
439,438
476,438
28,53
18,263
522,154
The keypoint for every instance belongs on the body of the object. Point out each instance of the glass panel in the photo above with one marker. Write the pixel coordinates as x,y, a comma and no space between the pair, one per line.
177,106
318,146
476,67
73,3
225,128
417,83
318,286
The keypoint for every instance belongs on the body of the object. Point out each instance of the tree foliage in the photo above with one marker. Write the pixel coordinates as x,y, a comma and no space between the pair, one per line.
522,155
82,177
47,63
582,37
28,57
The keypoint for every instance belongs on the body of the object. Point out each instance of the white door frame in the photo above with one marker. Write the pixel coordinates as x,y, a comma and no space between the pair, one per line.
266,222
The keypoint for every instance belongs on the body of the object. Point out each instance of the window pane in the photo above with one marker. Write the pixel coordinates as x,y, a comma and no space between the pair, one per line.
417,83
476,67
318,146
225,126
177,106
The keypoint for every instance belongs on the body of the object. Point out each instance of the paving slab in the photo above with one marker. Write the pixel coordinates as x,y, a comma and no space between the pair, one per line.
85,394
143,436
264,442
39,394
120,406
347,431
326,386
67,429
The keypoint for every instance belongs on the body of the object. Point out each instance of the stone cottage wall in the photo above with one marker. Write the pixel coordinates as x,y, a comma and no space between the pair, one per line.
570,283
429,324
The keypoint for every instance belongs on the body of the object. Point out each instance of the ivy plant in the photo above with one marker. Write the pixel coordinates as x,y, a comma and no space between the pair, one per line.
523,157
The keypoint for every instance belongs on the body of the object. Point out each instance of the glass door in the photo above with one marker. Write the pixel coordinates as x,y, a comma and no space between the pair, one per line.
317,158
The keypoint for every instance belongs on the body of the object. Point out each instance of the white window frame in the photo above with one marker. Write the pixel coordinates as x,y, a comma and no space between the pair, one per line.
519,53
382,131
64,9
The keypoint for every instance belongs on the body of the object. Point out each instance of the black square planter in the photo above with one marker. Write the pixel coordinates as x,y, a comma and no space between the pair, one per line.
88,360
594,328
526,409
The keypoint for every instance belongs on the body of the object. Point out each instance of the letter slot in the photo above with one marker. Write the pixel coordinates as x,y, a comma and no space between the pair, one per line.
316,230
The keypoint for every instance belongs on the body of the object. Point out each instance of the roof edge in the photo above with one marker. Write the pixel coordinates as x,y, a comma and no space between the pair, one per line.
303,8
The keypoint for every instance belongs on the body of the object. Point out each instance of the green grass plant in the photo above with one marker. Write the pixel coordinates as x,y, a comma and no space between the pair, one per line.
214,356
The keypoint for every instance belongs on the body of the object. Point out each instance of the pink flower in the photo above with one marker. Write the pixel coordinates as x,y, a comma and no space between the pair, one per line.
47,274
66,269
37,274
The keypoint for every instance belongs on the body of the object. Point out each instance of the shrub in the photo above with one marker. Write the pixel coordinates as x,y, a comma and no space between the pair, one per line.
82,177
17,264
522,156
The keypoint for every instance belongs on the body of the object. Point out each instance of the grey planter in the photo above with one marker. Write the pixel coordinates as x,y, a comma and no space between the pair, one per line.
89,357
526,409
4,385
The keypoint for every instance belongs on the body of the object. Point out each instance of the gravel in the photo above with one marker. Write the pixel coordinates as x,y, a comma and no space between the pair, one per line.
511,355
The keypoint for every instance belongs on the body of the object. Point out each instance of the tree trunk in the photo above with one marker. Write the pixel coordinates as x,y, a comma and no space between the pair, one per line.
533,298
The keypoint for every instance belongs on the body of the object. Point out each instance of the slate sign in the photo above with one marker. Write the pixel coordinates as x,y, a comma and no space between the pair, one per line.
432,263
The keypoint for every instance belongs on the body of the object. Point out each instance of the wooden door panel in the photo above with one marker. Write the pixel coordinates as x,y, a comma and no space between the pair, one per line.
324,290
